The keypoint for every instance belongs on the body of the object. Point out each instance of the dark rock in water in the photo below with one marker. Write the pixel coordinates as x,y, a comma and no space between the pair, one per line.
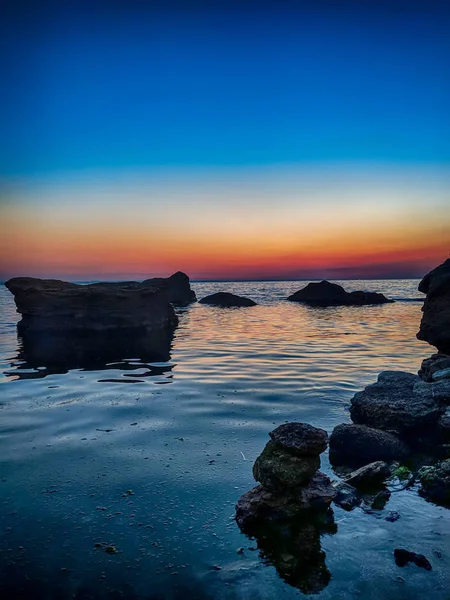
51,306
260,504
227,300
358,445
392,516
399,402
301,439
435,482
435,324
293,547
277,469
178,287
379,501
369,475
347,497
332,294
434,364
403,557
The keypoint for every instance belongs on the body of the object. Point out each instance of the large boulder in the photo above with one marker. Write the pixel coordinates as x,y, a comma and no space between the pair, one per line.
399,402
435,324
53,307
358,445
178,288
325,293
227,300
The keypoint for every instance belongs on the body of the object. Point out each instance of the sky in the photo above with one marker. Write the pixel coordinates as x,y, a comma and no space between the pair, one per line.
250,140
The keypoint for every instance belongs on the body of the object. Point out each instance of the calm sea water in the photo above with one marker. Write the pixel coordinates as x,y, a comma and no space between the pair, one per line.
151,456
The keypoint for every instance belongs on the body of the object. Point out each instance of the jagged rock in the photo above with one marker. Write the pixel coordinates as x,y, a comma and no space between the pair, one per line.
358,445
379,501
277,469
435,482
325,293
399,402
301,439
432,365
347,496
435,324
227,300
403,557
260,504
178,287
50,306
369,475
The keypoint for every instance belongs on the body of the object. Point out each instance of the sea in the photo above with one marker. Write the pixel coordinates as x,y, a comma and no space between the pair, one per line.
119,473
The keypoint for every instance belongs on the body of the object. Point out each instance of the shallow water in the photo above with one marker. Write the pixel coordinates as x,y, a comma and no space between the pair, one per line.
182,437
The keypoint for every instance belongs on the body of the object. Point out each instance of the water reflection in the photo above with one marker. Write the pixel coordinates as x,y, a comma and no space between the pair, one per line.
39,356
293,547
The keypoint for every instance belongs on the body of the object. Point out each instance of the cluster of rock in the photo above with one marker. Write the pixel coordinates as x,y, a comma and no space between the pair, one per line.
325,294
289,510
403,414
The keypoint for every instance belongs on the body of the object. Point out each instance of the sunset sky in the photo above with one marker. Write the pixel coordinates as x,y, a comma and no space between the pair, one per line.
248,140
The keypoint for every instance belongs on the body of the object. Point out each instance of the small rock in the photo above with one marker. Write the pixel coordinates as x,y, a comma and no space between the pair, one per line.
347,497
380,500
403,557
301,439
392,516
369,475
111,550
240,551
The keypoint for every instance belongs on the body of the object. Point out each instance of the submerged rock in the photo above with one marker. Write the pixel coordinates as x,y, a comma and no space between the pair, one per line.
277,469
435,324
369,475
325,293
434,365
227,300
359,445
178,287
347,496
404,557
300,439
399,402
435,482
50,306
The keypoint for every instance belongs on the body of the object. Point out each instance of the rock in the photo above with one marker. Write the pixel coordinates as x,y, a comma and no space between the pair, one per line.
347,497
399,402
260,504
300,439
50,306
332,294
435,324
370,475
227,300
435,482
444,425
277,469
433,364
442,374
392,516
178,287
403,557
380,500
441,390
359,445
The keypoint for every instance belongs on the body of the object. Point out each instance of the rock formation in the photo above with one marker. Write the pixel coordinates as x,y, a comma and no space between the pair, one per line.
325,294
435,482
178,287
227,300
53,307
287,470
435,324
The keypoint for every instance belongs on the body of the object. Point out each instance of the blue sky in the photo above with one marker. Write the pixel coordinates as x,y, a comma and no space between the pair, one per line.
111,84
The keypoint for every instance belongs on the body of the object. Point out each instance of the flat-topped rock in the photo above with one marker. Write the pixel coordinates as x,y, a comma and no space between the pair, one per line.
301,439
324,294
369,475
399,402
178,287
435,324
358,445
226,300
55,307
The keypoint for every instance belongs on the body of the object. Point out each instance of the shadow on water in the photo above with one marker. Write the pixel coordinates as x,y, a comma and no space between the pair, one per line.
293,547
42,355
